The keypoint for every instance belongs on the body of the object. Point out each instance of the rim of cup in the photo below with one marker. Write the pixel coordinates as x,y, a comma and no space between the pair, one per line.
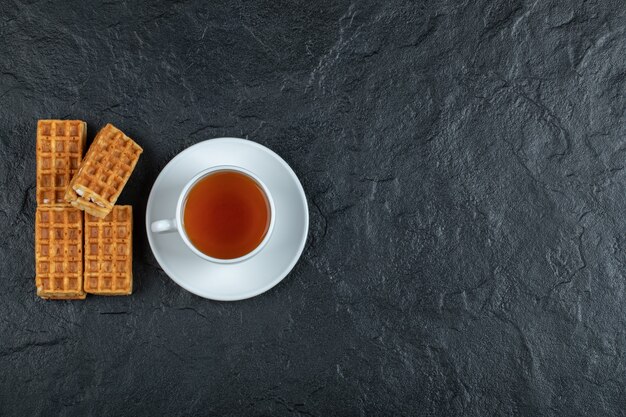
181,205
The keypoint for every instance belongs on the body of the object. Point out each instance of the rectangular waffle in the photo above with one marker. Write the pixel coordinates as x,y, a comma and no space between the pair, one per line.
59,252
103,173
60,146
108,252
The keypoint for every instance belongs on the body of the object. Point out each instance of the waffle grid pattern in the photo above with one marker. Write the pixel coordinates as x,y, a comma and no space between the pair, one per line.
108,253
104,172
60,146
59,252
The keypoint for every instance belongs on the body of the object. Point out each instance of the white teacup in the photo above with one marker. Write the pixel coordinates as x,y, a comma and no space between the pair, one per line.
177,225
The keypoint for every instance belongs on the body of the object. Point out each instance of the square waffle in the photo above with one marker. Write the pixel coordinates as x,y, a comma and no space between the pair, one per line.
108,252
59,252
60,146
103,173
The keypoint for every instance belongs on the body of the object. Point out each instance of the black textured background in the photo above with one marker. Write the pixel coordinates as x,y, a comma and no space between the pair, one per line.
464,164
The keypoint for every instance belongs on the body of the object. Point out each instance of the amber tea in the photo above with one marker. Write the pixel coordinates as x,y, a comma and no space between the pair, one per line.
226,214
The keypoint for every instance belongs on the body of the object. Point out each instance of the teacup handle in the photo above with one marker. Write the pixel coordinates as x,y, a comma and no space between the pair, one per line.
164,226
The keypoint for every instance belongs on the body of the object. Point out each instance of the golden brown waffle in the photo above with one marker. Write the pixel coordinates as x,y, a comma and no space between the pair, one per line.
59,252
60,146
109,252
103,173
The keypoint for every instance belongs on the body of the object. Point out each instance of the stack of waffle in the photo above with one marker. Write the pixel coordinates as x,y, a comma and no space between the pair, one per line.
70,263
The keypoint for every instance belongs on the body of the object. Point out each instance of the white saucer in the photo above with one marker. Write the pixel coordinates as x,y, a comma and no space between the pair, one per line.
229,282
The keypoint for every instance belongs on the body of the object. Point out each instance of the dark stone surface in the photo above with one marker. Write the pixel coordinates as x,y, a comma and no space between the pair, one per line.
464,164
